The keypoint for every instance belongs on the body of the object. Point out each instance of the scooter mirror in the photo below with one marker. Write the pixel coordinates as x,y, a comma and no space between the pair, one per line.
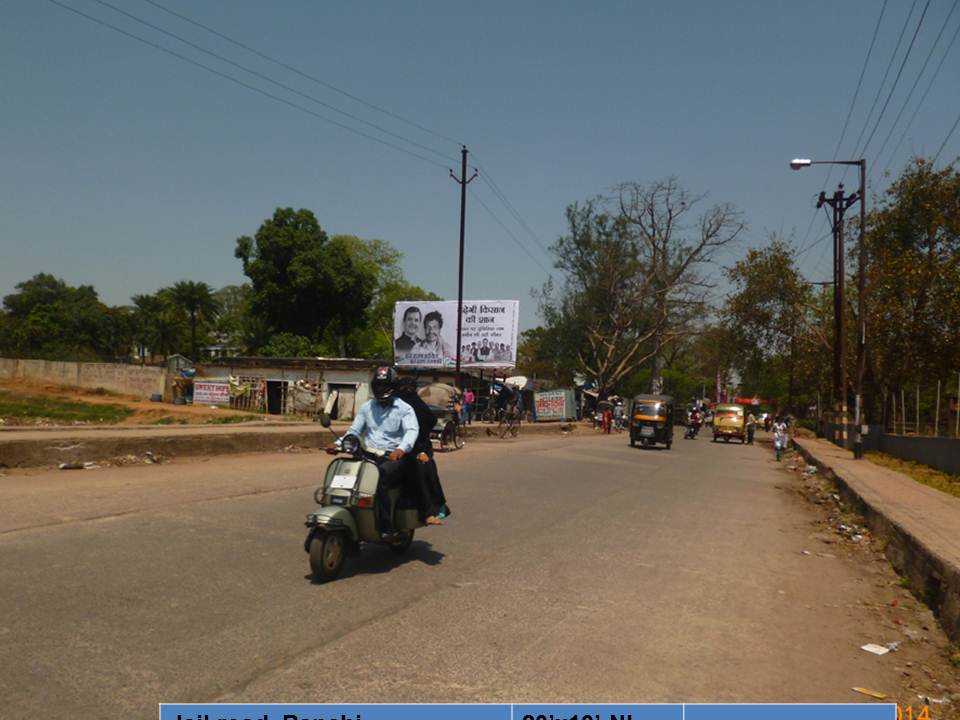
325,420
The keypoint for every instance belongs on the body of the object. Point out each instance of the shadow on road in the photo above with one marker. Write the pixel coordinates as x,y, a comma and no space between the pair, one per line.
376,559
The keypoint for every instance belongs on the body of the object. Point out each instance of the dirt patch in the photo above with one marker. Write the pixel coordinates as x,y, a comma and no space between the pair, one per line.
888,614
142,412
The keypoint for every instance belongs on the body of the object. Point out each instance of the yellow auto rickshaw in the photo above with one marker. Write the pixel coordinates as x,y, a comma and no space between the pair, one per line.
651,420
729,421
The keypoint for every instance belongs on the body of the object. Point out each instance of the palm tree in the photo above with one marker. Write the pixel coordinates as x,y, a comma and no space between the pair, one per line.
199,302
157,324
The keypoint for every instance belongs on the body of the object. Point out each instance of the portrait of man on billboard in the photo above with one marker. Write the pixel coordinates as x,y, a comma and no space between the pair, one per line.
411,332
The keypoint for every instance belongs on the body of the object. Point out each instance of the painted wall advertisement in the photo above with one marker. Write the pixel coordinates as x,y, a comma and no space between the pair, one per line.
425,333
555,404
211,393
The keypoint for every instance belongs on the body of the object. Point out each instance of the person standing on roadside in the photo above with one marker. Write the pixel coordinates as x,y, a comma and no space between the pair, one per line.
751,427
468,399
779,436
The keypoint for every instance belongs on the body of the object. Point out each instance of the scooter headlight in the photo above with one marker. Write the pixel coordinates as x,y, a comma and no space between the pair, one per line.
350,444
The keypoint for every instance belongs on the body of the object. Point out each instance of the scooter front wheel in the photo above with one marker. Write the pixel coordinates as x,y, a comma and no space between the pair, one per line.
328,551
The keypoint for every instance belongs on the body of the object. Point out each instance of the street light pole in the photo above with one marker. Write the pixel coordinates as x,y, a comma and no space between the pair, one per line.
840,203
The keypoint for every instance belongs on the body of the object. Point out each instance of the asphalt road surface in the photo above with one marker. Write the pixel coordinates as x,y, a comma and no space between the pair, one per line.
573,569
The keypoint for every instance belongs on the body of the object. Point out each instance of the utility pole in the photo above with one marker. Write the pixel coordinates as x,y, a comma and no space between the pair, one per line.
861,313
463,181
840,203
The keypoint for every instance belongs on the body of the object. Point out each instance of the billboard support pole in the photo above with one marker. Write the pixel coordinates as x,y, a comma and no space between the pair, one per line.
462,181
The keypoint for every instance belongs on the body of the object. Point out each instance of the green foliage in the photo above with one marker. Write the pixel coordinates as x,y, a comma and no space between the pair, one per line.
288,345
46,318
29,408
197,300
304,283
771,320
913,260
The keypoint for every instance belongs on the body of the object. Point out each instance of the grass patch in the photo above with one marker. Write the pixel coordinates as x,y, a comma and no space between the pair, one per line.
34,407
919,472
230,419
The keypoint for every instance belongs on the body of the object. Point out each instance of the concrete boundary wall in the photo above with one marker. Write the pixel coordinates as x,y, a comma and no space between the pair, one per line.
940,453
116,377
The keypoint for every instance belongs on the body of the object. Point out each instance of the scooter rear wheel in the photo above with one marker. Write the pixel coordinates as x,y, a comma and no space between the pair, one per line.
328,551
402,545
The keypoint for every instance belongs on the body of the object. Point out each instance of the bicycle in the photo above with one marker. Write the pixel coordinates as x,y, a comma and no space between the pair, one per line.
509,425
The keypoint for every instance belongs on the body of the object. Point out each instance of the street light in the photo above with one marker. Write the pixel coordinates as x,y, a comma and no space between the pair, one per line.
840,204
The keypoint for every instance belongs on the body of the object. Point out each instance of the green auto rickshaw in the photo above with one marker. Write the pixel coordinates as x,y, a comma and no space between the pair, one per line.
651,420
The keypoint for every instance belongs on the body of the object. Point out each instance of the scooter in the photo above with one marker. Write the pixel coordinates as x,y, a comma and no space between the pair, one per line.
347,512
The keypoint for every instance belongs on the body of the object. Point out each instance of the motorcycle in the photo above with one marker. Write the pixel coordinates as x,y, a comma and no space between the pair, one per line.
692,430
347,513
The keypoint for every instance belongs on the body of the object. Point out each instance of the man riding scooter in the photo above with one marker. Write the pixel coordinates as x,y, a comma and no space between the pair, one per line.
694,423
386,423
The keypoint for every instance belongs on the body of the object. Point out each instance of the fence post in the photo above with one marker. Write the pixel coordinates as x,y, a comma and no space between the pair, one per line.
936,417
956,431
917,426
903,411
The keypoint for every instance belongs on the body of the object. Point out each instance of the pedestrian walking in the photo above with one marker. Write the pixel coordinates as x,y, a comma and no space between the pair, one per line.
779,436
751,427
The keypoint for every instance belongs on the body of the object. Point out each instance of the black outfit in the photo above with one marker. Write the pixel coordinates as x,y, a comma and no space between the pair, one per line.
429,493
404,343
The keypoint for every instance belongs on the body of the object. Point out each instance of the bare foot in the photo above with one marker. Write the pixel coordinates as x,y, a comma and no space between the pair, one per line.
433,520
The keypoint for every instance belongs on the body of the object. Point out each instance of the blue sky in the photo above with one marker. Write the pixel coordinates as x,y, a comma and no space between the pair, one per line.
129,169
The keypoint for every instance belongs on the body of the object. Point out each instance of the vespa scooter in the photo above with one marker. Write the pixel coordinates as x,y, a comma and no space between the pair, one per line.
347,512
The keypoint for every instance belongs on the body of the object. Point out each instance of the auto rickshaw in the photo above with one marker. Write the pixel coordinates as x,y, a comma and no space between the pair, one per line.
651,420
729,421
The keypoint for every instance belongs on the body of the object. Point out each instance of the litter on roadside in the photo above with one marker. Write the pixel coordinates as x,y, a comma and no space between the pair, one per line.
935,701
78,466
875,649
871,693
811,469
892,646
804,552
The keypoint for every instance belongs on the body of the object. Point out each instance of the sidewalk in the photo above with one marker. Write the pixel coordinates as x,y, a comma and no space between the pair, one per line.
920,525
32,447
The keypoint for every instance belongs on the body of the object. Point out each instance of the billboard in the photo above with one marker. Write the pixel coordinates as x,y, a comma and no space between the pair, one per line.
555,405
211,393
425,333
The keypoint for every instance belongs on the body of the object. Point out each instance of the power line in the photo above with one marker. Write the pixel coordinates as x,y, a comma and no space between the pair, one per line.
916,82
268,79
856,94
507,230
485,176
944,143
883,82
248,86
923,97
897,78
303,74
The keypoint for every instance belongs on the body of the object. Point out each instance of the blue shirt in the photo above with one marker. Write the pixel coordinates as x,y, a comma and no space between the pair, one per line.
386,427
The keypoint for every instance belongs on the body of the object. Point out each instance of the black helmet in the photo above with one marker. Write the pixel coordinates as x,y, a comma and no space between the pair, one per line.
384,383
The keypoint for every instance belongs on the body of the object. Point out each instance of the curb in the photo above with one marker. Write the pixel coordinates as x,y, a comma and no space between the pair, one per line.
66,447
933,580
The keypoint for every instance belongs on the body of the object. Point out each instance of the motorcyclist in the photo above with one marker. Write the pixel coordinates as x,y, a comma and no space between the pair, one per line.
385,423
696,420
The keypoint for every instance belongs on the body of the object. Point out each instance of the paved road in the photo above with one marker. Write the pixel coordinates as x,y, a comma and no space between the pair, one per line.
572,569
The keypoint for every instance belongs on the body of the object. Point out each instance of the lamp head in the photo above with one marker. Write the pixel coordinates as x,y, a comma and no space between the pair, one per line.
798,163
